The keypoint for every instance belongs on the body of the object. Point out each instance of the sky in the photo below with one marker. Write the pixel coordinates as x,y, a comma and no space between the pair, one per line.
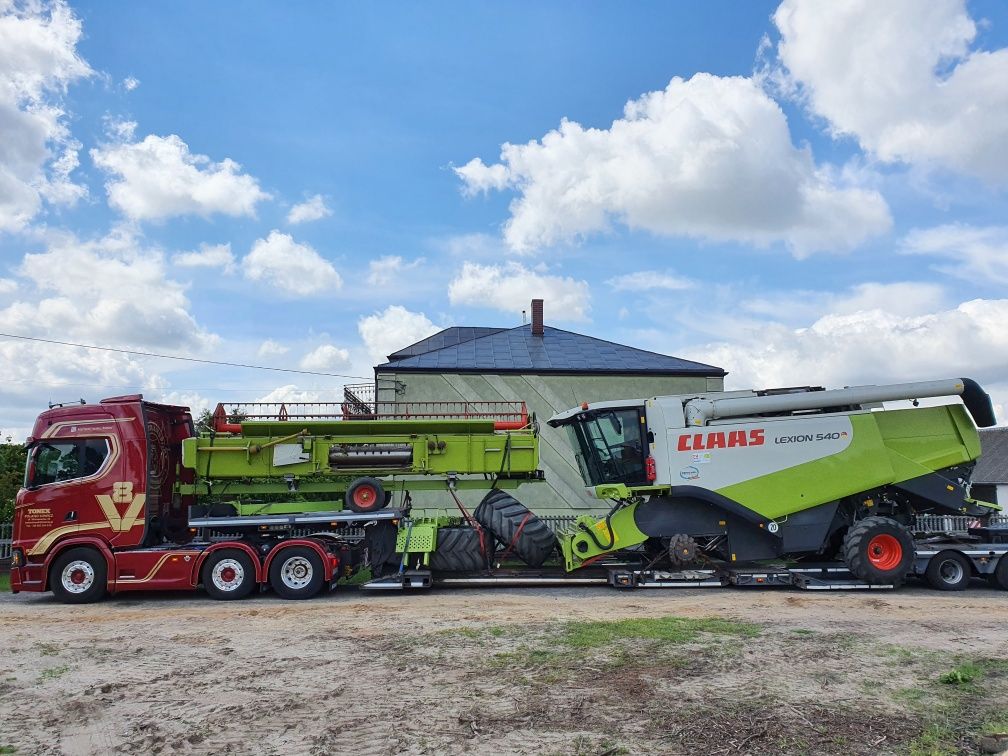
798,192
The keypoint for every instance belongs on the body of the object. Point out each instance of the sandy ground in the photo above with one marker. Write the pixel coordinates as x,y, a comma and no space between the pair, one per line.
499,671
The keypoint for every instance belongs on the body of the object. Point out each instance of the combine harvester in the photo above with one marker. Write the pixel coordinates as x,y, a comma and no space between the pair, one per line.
731,488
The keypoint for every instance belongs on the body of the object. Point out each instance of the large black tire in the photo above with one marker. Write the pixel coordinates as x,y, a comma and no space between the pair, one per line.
949,571
878,550
79,576
504,516
228,575
458,550
999,578
297,572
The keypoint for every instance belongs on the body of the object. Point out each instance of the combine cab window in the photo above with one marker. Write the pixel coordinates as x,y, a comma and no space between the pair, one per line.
57,461
611,445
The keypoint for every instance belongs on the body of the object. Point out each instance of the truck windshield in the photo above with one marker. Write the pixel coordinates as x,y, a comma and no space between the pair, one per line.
65,460
610,447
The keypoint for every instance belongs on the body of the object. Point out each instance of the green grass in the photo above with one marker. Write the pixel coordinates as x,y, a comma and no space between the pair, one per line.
964,674
54,672
583,635
936,740
7,749
4,587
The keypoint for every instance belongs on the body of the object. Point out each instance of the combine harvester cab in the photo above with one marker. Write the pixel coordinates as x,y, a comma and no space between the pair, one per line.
797,473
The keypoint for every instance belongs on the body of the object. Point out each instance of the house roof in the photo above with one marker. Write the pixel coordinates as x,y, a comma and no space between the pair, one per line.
517,350
992,467
445,338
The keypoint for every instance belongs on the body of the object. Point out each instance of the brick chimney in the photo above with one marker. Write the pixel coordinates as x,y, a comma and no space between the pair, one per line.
537,317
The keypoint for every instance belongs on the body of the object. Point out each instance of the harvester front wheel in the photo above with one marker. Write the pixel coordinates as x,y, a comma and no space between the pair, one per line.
521,532
459,550
878,550
366,495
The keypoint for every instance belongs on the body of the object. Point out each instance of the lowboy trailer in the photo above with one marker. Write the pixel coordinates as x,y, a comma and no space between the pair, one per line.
785,487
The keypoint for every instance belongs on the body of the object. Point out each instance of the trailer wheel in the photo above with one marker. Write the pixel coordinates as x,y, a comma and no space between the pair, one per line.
878,550
297,572
366,495
999,578
949,571
228,575
79,576
516,527
458,550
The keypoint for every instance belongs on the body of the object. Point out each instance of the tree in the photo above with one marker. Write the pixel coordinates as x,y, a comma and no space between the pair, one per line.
12,465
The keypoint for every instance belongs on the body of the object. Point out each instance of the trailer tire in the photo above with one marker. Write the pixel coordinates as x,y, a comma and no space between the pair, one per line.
879,551
516,527
79,576
228,575
949,571
458,550
366,495
297,573
999,578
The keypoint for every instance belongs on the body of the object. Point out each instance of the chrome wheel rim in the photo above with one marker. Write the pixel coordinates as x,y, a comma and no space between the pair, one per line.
951,571
296,572
77,577
228,575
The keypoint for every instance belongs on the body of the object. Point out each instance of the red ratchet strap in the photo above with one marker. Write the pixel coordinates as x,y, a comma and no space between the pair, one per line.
472,522
507,551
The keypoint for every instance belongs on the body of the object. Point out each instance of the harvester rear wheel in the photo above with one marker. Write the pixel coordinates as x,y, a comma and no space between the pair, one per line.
366,495
521,532
878,550
458,550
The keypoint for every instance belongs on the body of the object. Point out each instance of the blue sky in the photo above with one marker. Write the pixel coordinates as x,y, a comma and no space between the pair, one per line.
794,193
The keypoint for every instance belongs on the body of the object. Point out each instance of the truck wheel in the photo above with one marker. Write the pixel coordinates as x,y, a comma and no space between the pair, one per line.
949,571
458,550
366,495
878,550
516,527
999,578
297,572
79,576
229,575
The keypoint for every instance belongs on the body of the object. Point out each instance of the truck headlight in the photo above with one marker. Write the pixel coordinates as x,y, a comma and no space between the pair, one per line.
17,558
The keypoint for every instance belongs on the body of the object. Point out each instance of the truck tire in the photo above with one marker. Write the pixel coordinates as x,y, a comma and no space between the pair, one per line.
458,550
366,495
516,527
79,576
949,571
297,572
228,575
999,578
878,550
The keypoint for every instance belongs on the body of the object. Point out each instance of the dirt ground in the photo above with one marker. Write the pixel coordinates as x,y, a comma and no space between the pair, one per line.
498,671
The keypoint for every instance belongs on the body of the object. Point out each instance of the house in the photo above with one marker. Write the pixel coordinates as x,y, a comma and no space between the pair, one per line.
548,368
990,476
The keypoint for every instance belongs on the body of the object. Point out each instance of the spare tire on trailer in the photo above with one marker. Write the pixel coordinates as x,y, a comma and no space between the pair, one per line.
878,550
521,532
459,550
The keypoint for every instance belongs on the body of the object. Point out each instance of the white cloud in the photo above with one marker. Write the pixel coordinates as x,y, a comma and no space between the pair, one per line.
511,286
903,298
648,280
207,256
295,268
900,77
130,83
160,178
270,348
385,270
326,358
977,254
38,61
710,157
311,209
869,346
392,329
8,286
291,393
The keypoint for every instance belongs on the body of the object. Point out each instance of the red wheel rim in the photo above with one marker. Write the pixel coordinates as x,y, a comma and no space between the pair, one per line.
77,577
365,497
885,551
227,574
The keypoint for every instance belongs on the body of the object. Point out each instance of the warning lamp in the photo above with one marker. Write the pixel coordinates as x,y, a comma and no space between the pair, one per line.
650,469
